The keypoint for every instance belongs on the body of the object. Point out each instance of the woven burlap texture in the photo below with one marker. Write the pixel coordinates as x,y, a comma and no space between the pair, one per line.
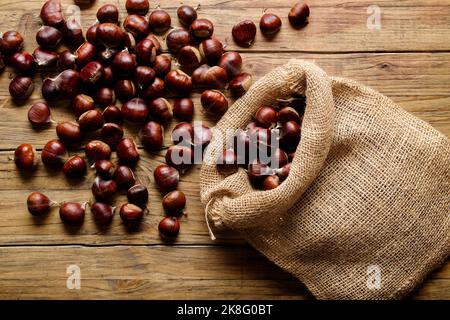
369,189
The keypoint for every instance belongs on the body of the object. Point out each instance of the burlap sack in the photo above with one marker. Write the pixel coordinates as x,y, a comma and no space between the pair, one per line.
368,194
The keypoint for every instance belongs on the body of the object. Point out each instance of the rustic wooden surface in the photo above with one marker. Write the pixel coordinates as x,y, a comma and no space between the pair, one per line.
408,60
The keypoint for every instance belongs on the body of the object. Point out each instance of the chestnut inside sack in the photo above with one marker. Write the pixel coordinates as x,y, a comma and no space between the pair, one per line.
367,193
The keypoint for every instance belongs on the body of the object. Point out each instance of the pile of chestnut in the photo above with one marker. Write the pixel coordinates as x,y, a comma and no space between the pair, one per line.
267,145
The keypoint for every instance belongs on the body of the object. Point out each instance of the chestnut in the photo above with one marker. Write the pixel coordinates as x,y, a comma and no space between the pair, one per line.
82,103
112,114
102,213
283,172
145,52
271,182
65,85
109,34
178,82
201,28
258,171
183,109
137,6
51,14
160,110
288,114
69,132
45,58
202,135
22,61
21,87
124,177
85,54
232,63
124,63
108,78
38,203
240,84
174,202
183,132
244,33
211,50
156,42
75,167
162,65
166,177
127,151
104,97
152,136
189,58
11,42
91,34
25,157
66,60
135,110
72,31
103,190
48,37
72,213
298,15
129,41
111,133
105,169
108,13
137,25
227,162
97,150
266,117
131,214
159,21
39,115
91,73
169,227
186,15
290,135
210,77
214,102
91,120
154,91
125,90
144,76
270,24
138,195
180,157
177,39
54,154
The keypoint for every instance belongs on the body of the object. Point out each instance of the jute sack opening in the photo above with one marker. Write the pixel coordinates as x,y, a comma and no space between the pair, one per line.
365,211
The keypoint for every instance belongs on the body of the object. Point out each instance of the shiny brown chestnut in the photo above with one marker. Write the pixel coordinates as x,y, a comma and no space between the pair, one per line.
64,86
48,37
124,177
38,204
232,63
202,135
105,169
288,114
72,31
154,91
91,34
131,215
177,39
137,25
209,77
111,133
214,102
39,115
124,63
91,73
145,52
240,84
108,79
110,35
72,213
298,15
271,182
91,120
161,110
127,151
85,53
22,61
97,150
201,28
103,190
159,21
244,33
166,177
183,109
290,135
103,213
54,154
125,90
183,132
179,157
144,76
21,87
189,58
174,202
211,50
169,227
11,42
25,157
129,41
266,117
82,103
178,82
186,15
51,14
108,13
270,24
75,167
66,60
104,97
227,162
69,132
45,58
162,65
152,136
112,114
156,42
138,195
137,6
135,110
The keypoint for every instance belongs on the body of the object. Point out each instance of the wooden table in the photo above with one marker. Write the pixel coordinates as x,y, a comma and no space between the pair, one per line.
408,59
